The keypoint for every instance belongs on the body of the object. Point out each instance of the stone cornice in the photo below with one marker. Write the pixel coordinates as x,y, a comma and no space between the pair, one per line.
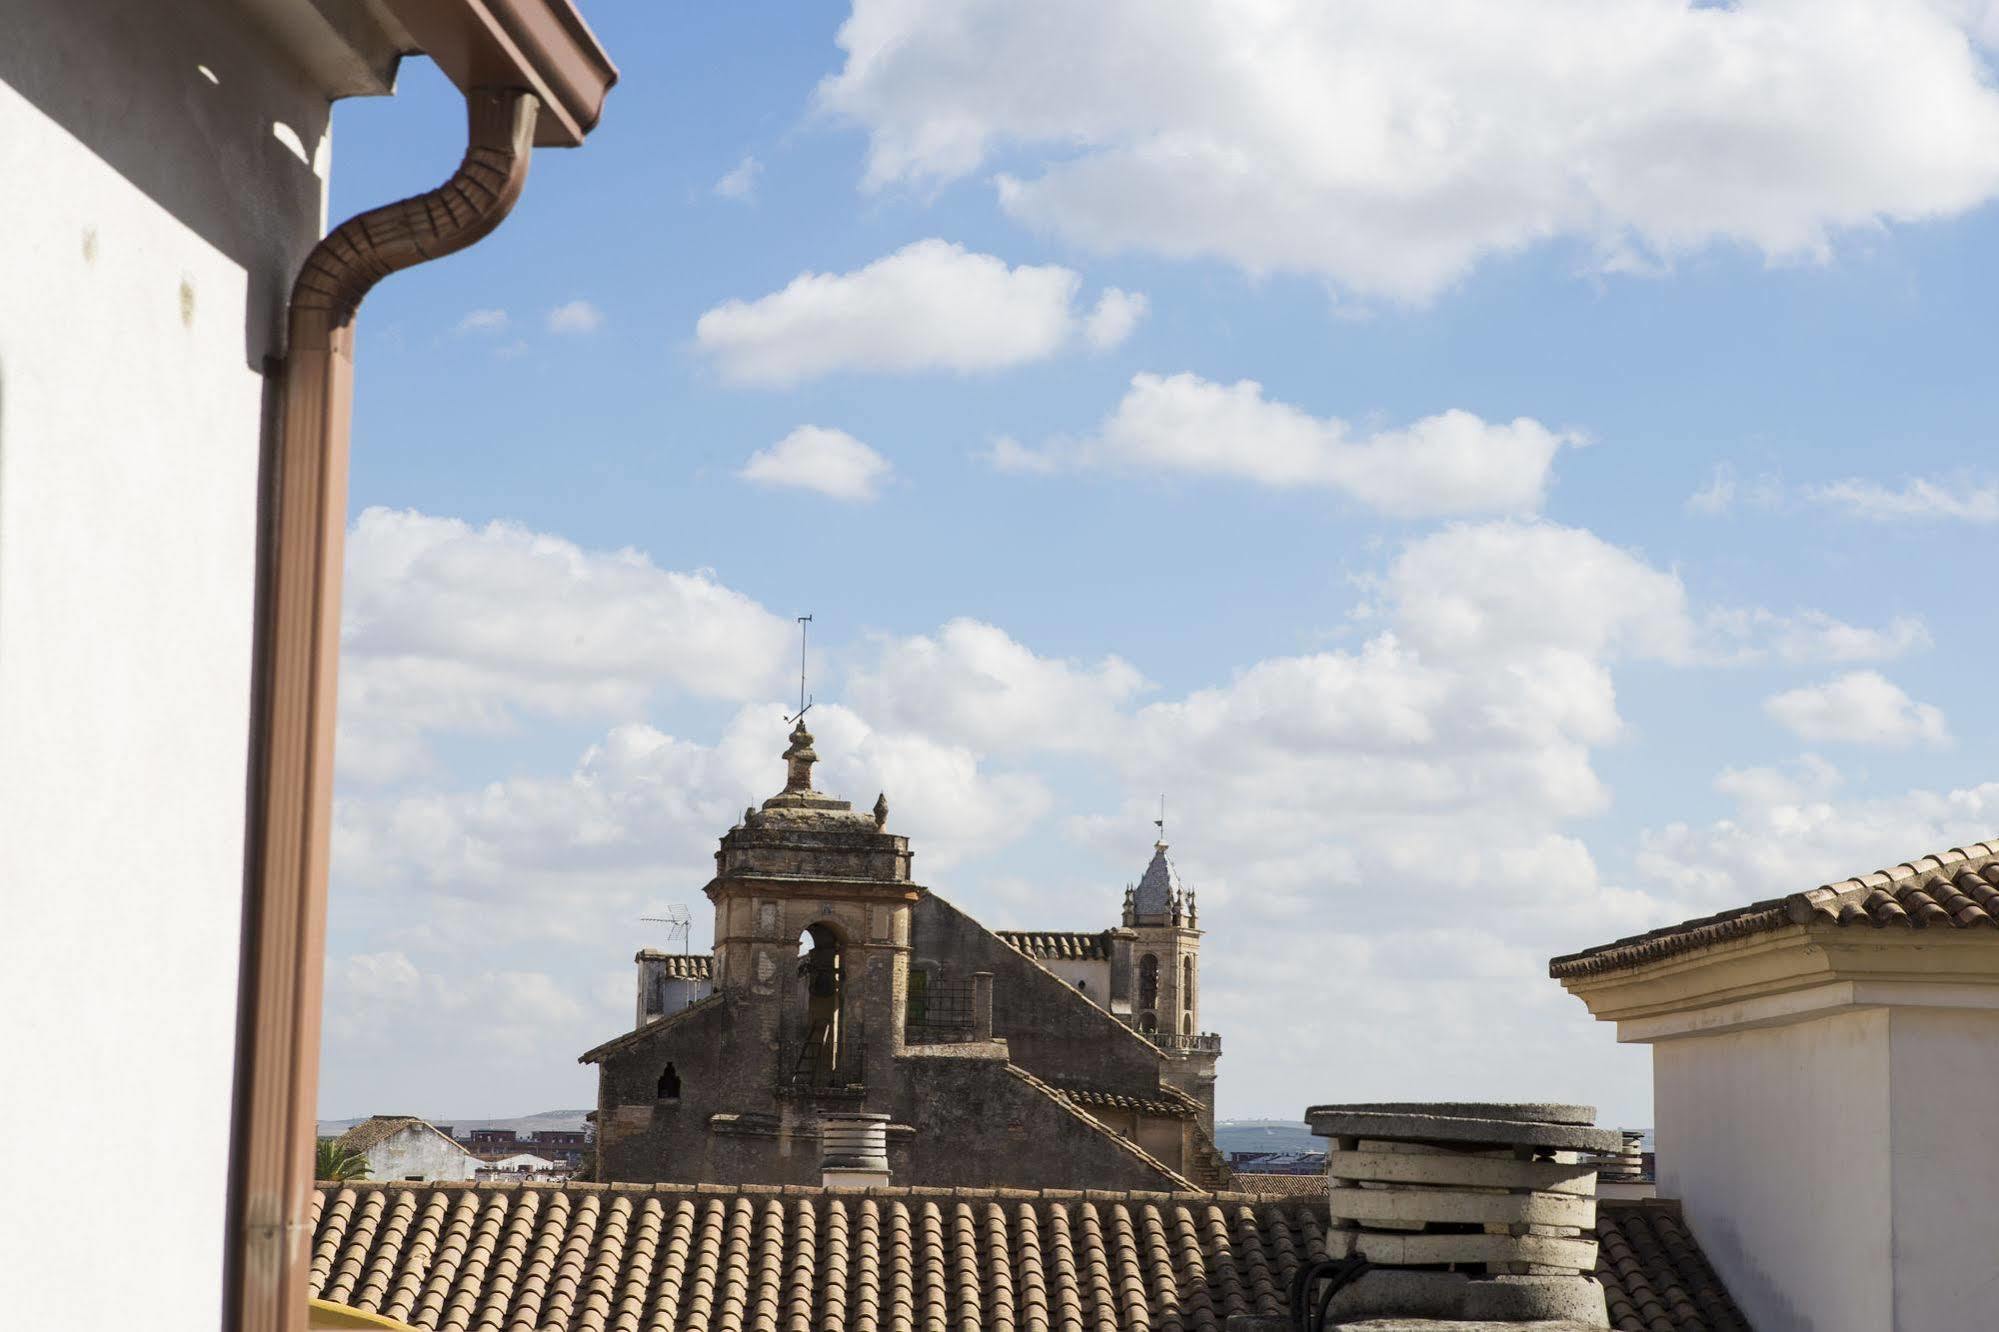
1791,974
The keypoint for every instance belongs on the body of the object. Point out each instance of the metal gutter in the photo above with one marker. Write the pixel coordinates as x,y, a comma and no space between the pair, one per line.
299,643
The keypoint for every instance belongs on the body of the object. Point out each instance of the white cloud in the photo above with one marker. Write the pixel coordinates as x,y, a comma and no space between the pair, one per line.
741,180
1336,810
829,461
1921,499
972,681
447,627
575,317
453,1034
1724,493
1116,315
1449,463
1392,147
483,321
1517,586
1757,634
642,807
929,306
1861,708
1007,454
1791,829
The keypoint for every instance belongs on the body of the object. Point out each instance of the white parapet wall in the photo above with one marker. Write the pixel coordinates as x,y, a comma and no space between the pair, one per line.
152,218
1818,1091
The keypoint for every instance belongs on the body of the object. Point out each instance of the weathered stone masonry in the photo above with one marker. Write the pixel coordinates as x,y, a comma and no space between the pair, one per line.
991,1067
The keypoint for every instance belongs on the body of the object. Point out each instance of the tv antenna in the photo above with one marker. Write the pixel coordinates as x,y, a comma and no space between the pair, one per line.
804,702
677,923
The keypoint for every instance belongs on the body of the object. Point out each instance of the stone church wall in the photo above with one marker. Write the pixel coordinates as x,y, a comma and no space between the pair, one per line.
1051,1031
979,1124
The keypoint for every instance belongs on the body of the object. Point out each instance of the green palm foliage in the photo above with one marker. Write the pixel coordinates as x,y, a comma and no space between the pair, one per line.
337,1164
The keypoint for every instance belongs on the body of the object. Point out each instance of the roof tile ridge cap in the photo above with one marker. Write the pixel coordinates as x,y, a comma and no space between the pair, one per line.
1804,907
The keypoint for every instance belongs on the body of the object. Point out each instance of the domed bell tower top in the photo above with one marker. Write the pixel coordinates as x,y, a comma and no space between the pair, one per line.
807,861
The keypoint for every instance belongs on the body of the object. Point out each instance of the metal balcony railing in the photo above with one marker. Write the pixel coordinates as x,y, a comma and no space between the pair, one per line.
940,1013
1205,1042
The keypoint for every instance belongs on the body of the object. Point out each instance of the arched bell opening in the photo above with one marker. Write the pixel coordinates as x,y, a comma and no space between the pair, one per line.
822,977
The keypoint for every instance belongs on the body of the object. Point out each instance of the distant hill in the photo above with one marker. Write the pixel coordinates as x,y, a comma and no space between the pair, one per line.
1266,1135
550,1120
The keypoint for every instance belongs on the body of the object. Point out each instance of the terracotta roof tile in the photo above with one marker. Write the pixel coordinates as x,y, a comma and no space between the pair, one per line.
1655,1278
377,1129
1956,889
1177,1106
680,966
677,1258
1064,945
624,1258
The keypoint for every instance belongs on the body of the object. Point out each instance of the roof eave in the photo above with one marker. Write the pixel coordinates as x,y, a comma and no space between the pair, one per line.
543,46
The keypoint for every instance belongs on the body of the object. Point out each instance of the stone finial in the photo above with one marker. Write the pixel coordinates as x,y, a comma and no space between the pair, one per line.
1193,911
749,812
799,759
881,809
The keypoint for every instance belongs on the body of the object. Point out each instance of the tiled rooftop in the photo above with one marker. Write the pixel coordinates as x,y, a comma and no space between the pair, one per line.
599,1258
1957,889
1655,1278
681,966
1172,1103
377,1129
678,1258
1066,945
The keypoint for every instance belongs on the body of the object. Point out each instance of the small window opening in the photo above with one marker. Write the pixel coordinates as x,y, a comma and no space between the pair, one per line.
669,1084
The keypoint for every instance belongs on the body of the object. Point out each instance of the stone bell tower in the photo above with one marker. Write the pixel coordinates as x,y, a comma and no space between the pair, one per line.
807,866
1166,951
1156,959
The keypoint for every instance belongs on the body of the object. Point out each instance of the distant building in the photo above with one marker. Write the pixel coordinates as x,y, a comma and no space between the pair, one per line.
522,1168
840,986
1278,1163
563,1147
406,1148
524,1161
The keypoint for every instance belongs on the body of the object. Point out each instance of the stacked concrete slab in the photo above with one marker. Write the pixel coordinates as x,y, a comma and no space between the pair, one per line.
1625,1164
1476,1211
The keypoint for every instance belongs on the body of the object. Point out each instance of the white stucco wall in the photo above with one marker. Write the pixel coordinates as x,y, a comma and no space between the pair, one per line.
1945,1083
150,221
420,1153
1775,1140
1096,975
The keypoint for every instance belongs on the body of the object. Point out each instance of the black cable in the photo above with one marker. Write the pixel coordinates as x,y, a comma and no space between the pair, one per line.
1337,1273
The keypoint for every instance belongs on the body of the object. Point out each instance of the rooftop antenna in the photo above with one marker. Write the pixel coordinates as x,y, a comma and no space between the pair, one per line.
804,702
677,923
1160,822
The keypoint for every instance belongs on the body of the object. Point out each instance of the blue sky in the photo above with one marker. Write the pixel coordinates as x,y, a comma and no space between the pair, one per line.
1678,610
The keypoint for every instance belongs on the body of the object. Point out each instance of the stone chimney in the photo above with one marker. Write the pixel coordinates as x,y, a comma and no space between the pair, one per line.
854,1150
1477,1211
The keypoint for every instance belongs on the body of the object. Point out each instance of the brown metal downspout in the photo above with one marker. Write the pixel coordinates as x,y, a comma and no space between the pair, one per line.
299,648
